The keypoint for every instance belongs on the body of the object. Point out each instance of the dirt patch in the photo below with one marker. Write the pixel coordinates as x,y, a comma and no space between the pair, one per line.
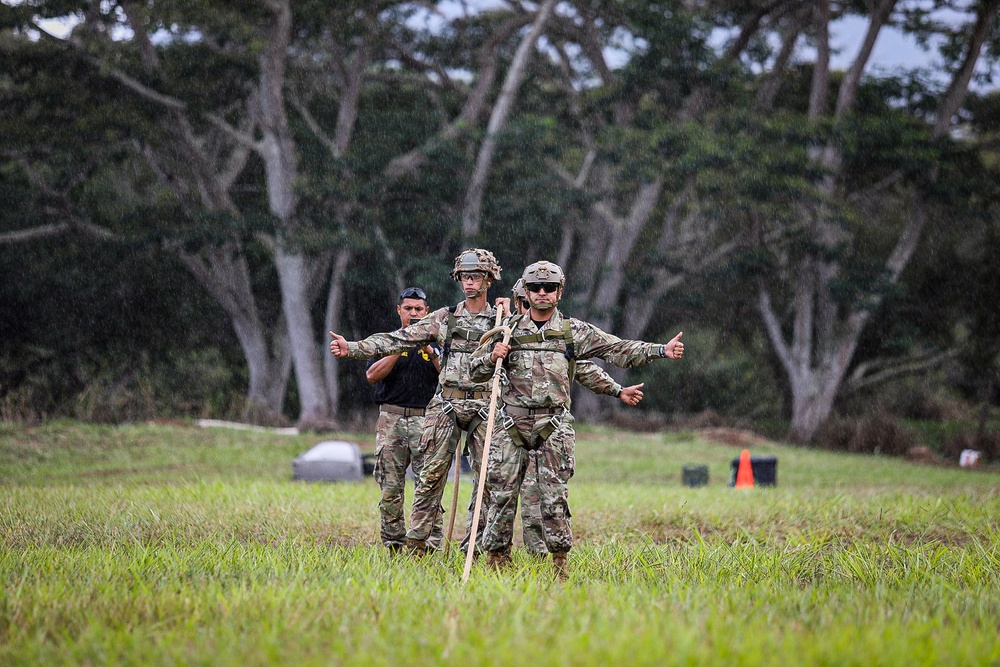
731,436
129,472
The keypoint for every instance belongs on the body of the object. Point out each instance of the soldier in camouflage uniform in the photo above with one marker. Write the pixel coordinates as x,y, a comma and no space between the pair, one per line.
460,403
589,375
540,361
404,384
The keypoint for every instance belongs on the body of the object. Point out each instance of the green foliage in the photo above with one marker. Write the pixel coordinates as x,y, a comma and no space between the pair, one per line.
719,374
80,142
105,322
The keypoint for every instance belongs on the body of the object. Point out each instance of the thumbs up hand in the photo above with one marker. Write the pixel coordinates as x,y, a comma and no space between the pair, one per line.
675,348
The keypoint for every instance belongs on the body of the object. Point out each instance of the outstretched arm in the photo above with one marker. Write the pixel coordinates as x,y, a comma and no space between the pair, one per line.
594,378
592,342
379,345
632,395
597,380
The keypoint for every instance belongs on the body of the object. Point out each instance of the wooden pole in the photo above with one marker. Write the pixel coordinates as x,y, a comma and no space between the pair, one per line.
494,394
454,498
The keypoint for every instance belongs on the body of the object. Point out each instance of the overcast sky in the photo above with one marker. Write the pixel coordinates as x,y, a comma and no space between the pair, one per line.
893,51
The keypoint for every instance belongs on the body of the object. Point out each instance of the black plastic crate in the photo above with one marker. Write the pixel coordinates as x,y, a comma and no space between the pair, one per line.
693,474
765,470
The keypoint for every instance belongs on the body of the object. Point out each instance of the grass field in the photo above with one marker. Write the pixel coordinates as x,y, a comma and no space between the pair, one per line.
154,544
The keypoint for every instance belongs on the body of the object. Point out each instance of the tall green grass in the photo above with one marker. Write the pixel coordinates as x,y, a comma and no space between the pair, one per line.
170,545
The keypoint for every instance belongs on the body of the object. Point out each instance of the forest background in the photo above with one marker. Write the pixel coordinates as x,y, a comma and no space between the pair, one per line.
193,194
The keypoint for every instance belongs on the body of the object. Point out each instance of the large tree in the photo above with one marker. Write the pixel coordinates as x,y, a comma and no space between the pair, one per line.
232,91
816,331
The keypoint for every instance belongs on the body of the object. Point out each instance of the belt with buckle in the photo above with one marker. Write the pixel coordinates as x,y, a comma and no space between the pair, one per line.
406,412
467,395
515,411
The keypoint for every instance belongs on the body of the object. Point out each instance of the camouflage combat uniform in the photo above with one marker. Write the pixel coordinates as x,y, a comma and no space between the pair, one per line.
592,377
397,440
536,417
459,404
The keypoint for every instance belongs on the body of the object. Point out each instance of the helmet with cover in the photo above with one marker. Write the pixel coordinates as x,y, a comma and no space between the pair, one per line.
476,259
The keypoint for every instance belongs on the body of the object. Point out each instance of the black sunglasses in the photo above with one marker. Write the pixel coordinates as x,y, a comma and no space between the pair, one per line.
549,288
413,293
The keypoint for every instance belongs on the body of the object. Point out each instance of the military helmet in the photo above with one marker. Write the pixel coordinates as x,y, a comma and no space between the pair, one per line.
477,259
543,272
517,291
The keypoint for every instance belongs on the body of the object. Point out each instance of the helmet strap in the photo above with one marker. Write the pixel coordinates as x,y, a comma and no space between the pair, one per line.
486,286
541,306
487,281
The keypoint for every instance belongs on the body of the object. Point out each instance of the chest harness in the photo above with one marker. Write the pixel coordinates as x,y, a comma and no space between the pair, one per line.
471,337
540,341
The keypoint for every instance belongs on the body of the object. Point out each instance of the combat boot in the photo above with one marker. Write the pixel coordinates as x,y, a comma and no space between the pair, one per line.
498,560
416,547
559,565
475,554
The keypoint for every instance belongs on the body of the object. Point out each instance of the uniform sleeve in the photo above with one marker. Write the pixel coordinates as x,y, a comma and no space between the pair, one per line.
592,342
594,378
481,368
378,345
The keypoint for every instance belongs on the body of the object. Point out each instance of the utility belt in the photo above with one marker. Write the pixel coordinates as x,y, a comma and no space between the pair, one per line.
465,395
399,410
508,413
532,412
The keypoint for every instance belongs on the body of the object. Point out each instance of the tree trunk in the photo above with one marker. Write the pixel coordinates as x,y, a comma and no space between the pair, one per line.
227,278
822,341
812,401
294,276
624,233
295,271
334,305
498,119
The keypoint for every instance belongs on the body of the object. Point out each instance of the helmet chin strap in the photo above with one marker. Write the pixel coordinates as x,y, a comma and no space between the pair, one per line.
541,306
482,290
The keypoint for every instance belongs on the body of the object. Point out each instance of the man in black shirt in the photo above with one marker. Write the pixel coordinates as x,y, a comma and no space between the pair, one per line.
404,384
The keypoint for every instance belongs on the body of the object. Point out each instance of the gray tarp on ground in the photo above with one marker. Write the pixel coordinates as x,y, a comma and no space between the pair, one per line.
329,461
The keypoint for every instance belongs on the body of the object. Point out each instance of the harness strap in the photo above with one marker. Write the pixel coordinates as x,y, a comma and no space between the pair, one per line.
543,435
482,414
566,334
532,412
570,350
539,336
452,323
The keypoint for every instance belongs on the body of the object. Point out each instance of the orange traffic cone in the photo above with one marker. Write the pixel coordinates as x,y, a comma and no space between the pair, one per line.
744,474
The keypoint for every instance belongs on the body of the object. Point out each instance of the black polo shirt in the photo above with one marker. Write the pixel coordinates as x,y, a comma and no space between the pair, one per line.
412,381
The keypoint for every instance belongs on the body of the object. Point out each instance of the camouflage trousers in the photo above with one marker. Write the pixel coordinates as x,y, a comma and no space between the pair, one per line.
397,445
508,465
531,509
443,428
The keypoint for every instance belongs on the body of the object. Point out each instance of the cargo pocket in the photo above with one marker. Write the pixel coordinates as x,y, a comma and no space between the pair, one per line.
379,472
565,446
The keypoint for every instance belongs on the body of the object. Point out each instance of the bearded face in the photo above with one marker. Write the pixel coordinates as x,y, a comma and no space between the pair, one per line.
543,296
